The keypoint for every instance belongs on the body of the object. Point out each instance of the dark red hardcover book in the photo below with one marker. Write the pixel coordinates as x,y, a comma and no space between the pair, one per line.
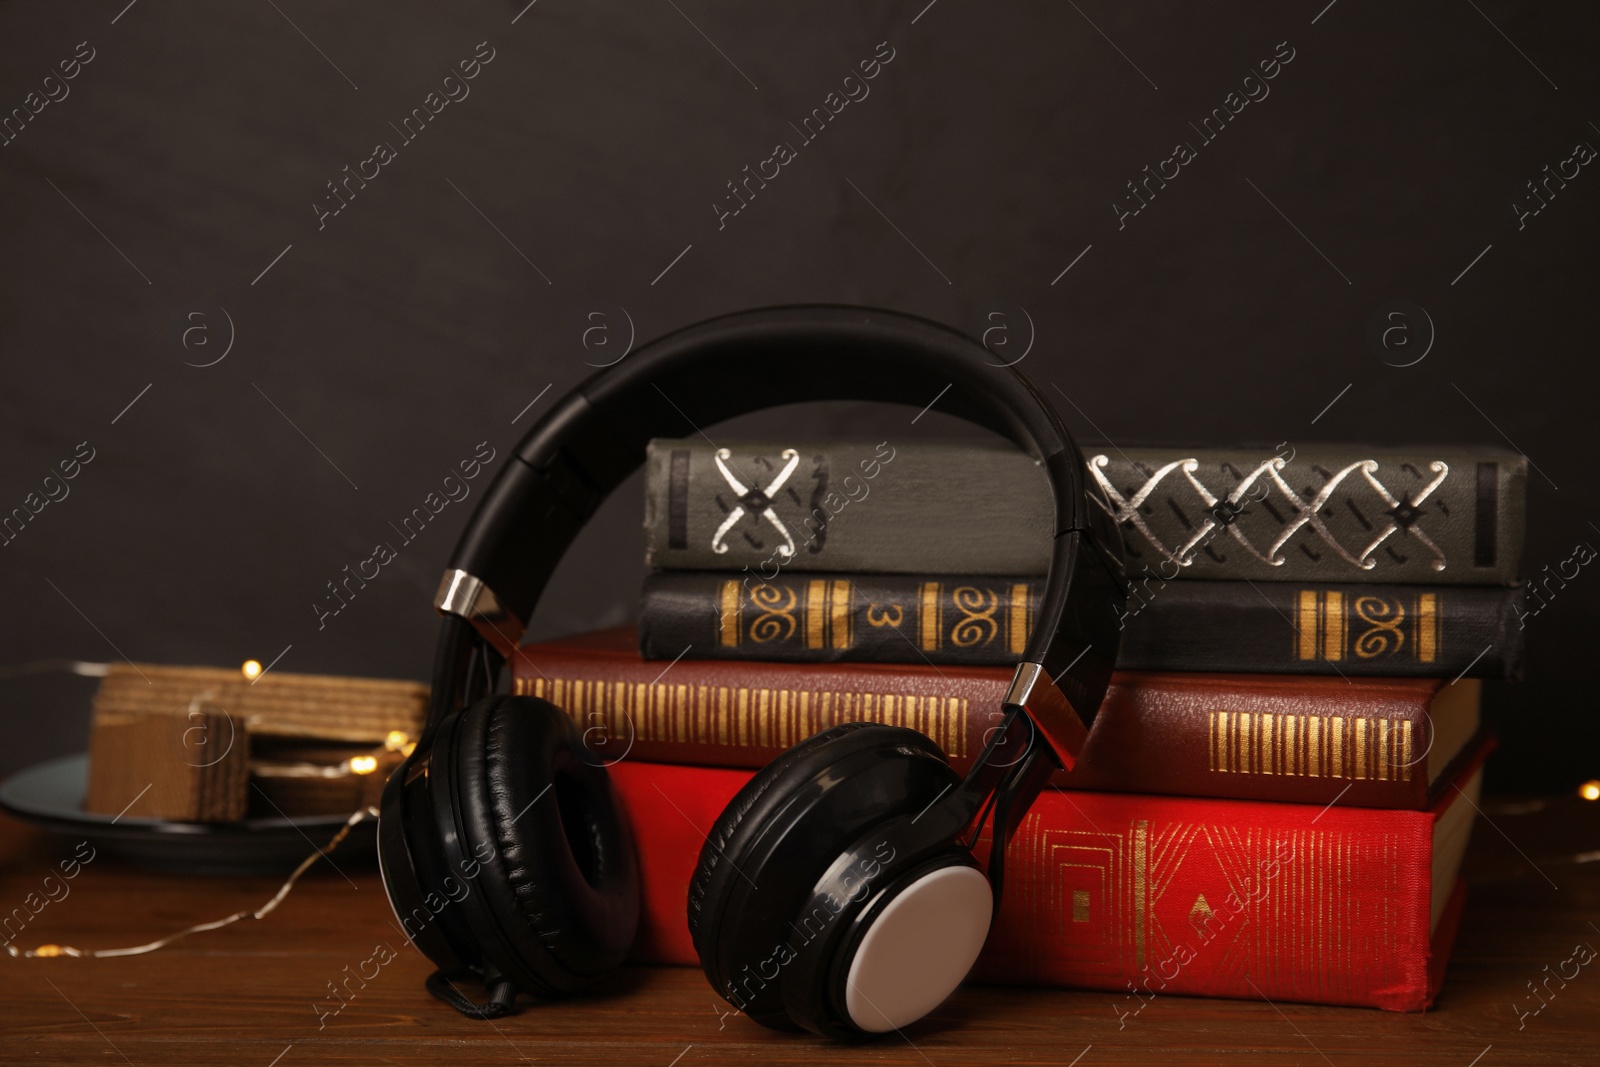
1143,896
1370,742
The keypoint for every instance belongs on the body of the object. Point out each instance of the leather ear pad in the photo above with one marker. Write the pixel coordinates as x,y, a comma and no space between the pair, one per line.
757,791
562,883
779,834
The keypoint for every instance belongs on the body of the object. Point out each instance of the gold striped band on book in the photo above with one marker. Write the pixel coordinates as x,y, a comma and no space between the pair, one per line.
740,716
1306,632
1333,626
1141,882
1323,628
1017,621
828,613
929,628
730,622
816,613
1427,616
841,612
1312,746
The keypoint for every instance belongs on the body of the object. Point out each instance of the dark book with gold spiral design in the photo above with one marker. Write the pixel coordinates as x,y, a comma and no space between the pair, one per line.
1272,627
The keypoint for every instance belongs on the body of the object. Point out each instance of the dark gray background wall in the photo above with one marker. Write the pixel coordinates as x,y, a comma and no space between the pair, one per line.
161,195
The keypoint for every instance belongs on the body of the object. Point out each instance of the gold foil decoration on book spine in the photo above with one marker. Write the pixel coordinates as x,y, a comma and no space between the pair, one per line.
1333,626
1383,618
1306,632
1359,729
1324,631
1380,766
928,627
730,620
1017,621
842,613
776,622
816,613
1141,874
1284,751
1311,746
1427,616
977,625
879,617
744,716
1313,905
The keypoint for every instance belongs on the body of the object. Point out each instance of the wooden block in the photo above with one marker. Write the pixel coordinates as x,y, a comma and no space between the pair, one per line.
279,704
184,732
190,767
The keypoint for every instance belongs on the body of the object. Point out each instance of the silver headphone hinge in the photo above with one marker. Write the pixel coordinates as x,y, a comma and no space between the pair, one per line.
1034,692
466,595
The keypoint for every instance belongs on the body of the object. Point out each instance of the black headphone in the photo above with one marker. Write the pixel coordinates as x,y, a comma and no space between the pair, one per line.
837,892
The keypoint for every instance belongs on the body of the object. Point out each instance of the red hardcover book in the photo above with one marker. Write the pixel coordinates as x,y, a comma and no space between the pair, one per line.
1142,895
1371,742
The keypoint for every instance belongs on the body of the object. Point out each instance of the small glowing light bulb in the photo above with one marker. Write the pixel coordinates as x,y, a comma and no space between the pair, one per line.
396,740
363,764
1590,790
251,669
411,746
47,950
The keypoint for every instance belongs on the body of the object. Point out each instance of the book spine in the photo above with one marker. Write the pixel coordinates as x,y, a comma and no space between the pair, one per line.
1261,737
1275,628
1139,896
758,508
1329,513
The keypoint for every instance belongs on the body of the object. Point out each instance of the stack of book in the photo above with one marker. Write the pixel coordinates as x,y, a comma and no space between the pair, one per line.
1275,799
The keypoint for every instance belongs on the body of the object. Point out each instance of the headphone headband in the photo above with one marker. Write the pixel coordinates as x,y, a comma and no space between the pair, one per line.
589,442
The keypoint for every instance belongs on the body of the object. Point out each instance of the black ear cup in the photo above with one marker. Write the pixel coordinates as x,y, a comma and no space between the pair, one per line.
778,837
555,903
769,788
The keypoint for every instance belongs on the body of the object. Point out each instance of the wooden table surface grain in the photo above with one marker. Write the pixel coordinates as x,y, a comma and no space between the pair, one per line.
257,992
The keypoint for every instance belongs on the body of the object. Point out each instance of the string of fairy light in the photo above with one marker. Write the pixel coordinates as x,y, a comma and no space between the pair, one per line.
395,741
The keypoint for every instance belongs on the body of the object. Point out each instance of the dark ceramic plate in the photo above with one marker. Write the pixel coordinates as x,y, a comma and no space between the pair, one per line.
50,795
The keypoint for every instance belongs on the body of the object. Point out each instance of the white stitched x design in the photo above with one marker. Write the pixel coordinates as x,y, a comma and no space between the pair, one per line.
758,500
1402,513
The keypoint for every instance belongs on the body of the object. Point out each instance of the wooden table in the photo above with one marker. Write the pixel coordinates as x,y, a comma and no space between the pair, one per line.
248,994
